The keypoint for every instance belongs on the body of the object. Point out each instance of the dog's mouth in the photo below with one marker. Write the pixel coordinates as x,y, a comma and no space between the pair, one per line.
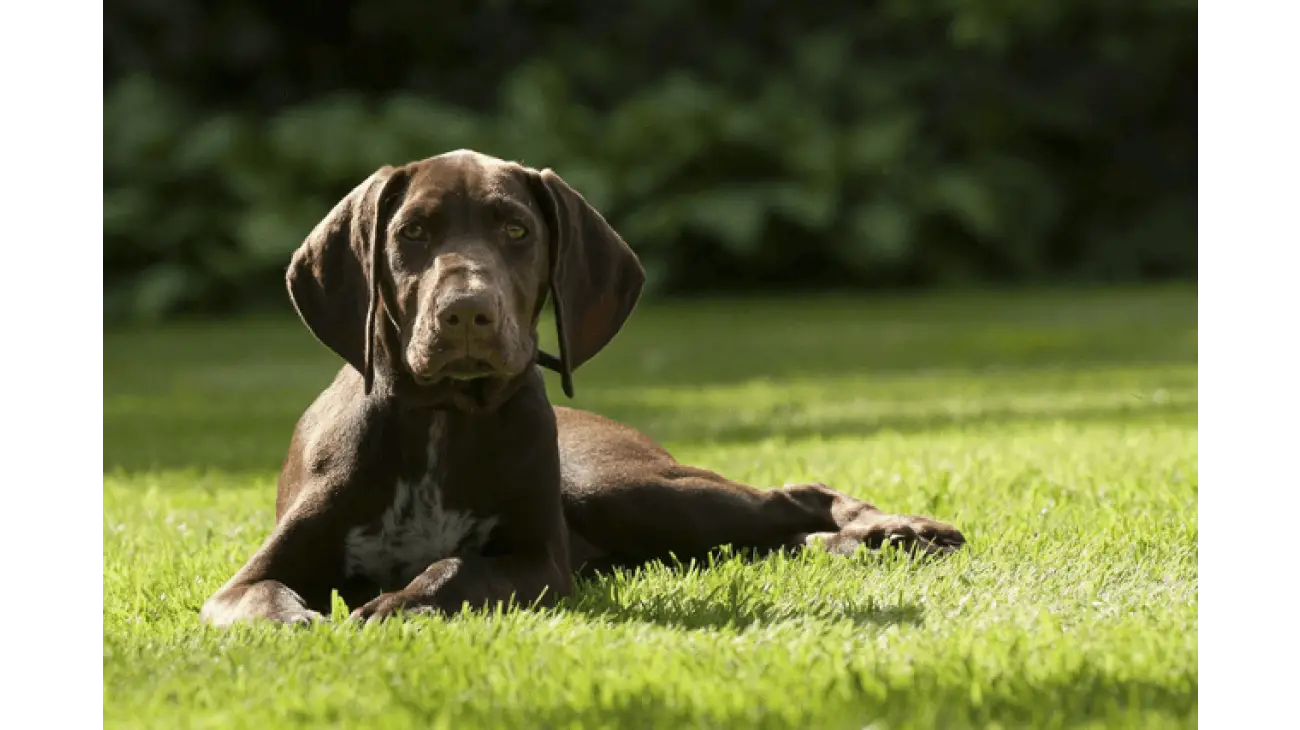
460,370
468,368
465,382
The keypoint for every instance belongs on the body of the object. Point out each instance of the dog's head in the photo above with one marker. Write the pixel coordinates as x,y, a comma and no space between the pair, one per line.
432,276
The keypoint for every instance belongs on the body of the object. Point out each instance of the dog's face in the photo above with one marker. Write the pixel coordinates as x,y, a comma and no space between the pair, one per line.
468,269
433,275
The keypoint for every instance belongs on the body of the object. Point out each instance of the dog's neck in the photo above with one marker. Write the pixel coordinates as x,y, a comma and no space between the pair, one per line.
420,438
418,412
425,418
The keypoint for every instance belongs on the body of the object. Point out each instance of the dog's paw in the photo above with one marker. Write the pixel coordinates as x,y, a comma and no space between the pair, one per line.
264,601
917,535
305,617
389,605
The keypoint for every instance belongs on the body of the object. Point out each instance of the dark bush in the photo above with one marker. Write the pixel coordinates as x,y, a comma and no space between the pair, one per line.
739,145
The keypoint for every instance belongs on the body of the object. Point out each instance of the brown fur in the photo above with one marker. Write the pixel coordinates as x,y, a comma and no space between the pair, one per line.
421,281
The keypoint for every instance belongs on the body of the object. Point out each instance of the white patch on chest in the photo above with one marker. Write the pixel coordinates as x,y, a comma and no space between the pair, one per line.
415,531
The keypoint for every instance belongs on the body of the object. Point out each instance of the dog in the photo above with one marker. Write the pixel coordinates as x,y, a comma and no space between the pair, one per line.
434,473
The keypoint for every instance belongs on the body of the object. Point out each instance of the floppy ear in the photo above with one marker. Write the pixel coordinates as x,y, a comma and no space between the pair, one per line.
333,278
596,279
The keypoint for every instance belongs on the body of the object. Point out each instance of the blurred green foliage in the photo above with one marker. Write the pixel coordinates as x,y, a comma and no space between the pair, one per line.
761,146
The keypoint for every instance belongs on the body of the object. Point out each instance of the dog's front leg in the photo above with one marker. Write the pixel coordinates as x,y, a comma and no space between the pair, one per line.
480,582
272,584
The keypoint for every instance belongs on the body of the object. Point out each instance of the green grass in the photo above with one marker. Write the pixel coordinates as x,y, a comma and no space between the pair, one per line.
1058,430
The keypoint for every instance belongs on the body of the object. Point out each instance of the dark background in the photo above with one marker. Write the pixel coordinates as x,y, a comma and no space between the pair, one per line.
748,145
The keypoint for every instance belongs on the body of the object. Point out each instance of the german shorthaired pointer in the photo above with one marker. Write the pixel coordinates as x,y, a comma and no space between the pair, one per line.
433,472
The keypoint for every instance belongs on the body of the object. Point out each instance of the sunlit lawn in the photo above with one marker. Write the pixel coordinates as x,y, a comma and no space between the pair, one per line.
1058,430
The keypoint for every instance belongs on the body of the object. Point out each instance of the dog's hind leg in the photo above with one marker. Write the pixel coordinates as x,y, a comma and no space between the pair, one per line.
627,501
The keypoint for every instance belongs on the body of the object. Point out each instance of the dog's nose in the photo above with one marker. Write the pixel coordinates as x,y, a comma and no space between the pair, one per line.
471,313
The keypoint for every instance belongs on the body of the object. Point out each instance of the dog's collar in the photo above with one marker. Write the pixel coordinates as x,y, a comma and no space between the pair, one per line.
550,362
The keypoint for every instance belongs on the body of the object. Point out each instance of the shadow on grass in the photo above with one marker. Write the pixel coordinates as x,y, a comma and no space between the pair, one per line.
694,613
224,395
673,425
717,592
241,442
1088,696
722,341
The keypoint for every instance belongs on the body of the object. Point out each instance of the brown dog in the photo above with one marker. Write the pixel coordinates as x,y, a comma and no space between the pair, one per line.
433,472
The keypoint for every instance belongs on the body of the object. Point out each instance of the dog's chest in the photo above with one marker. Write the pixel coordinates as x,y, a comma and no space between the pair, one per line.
415,530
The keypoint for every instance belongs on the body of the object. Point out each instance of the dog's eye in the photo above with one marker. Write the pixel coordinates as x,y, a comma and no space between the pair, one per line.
515,232
412,231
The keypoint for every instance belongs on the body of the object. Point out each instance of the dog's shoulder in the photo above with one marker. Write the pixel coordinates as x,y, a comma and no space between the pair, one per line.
340,438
